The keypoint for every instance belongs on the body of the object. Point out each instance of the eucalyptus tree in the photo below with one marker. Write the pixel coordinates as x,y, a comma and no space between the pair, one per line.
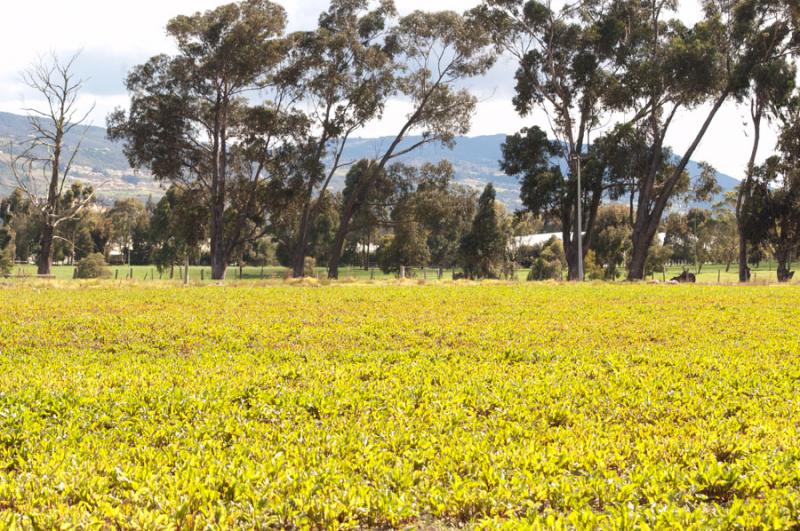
8,233
42,165
443,209
727,45
771,210
433,53
569,62
771,86
483,249
19,226
178,226
194,118
345,72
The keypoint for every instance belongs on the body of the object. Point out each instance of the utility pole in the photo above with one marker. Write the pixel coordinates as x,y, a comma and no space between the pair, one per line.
579,230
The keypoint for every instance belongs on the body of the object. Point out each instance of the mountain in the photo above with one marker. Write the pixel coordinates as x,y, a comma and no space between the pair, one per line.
476,162
102,163
99,161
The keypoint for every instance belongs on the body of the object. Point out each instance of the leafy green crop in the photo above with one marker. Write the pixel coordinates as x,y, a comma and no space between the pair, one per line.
557,406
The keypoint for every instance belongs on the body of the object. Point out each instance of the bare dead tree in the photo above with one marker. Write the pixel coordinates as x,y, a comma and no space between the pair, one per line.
43,162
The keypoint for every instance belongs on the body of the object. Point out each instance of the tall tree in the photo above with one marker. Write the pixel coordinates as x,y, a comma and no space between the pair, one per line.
43,165
8,249
21,227
771,85
178,226
429,216
772,207
433,52
443,209
345,73
730,41
613,239
192,118
483,249
569,60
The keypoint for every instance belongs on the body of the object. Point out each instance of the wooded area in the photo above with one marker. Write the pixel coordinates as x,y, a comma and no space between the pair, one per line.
246,124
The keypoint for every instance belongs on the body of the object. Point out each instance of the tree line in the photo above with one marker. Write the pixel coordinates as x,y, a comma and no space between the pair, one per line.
246,125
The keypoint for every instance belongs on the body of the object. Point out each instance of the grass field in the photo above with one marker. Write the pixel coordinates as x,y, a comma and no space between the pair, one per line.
709,274
386,405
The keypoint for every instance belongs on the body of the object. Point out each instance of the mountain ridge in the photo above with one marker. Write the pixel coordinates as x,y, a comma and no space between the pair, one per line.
103,164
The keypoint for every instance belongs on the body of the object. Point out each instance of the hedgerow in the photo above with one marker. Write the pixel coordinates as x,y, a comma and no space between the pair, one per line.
389,406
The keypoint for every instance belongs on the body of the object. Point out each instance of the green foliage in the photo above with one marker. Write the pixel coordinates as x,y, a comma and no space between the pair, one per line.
548,260
771,210
657,258
178,225
129,222
593,269
93,266
6,260
516,406
612,240
183,103
408,247
483,249
443,209
309,264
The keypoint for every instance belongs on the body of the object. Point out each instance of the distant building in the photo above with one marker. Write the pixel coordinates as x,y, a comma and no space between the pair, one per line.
537,239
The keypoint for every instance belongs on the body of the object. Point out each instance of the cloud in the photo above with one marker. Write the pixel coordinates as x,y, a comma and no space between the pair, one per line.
115,36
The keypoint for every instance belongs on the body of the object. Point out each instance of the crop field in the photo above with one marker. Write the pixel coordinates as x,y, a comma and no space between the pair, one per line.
399,406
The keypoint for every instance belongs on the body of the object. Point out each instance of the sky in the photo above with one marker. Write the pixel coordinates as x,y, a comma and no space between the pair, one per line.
114,36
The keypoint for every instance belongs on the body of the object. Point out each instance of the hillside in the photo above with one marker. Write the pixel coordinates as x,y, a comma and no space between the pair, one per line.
99,161
476,162
102,162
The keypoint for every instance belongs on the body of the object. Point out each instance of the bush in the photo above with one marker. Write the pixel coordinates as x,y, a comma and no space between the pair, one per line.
309,265
549,260
592,269
545,269
6,262
93,266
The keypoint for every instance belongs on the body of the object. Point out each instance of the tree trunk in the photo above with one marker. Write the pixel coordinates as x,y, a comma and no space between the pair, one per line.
349,209
299,258
744,189
218,262
648,218
744,271
637,264
642,239
45,260
337,248
783,257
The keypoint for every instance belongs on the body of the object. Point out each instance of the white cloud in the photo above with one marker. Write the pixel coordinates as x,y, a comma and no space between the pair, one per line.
116,35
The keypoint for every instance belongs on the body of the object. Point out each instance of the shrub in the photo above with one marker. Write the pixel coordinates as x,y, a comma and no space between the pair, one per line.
544,268
309,264
6,262
592,269
93,266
